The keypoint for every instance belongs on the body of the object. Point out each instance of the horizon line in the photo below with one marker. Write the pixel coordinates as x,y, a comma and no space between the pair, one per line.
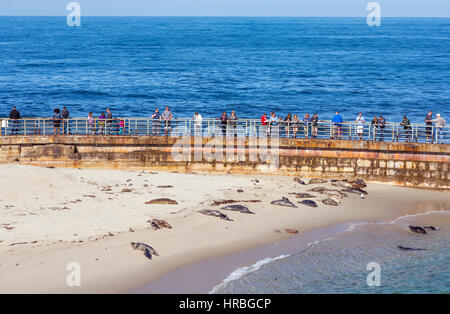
227,16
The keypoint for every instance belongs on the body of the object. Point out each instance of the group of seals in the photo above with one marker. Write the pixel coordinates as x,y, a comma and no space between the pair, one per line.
147,249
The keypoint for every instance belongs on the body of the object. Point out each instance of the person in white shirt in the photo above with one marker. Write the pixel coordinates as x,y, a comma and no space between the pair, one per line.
360,125
197,124
439,123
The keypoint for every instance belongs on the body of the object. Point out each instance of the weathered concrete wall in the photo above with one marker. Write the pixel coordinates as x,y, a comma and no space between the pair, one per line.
401,163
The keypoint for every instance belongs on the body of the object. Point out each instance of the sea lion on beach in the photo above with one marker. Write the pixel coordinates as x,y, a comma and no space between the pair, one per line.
331,201
284,202
358,183
417,229
302,195
299,181
308,203
147,249
215,213
158,224
317,181
403,248
238,208
162,201
341,183
355,191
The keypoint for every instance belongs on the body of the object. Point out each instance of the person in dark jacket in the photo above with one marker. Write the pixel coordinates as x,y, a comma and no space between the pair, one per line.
57,117
406,124
65,115
14,115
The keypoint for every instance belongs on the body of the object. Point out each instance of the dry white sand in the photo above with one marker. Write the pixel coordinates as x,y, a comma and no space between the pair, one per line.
52,217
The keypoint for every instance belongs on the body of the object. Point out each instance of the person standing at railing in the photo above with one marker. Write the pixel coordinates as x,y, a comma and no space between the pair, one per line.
315,125
381,127
295,123
360,125
109,122
167,117
406,124
429,126
375,127
14,115
57,118
101,123
156,122
306,123
91,124
197,124
273,122
223,123
337,125
264,123
232,120
65,115
439,123
287,121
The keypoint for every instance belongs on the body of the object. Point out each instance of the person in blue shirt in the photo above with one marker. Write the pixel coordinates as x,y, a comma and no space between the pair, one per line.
337,125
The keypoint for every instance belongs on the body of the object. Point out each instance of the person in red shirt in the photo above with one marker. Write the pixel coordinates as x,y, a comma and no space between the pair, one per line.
264,122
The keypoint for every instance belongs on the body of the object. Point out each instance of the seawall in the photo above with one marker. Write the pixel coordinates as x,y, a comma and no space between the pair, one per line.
410,164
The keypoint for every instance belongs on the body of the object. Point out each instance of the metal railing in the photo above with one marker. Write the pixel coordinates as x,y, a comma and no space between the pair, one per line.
393,132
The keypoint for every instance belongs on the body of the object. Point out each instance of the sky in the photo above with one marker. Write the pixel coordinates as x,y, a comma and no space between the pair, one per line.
294,8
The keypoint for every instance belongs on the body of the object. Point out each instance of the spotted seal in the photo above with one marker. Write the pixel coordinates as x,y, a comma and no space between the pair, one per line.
284,202
331,201
308,203
238,208
215,213
147,249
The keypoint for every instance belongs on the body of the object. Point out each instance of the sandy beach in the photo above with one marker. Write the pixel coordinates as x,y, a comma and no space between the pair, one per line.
52,217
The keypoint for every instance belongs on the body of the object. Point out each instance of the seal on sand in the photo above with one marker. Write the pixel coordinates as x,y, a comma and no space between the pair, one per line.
331,202
215,213
308,203
284,202
147,249
238,208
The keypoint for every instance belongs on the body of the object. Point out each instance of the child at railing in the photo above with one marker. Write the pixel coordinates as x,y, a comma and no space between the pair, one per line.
121,126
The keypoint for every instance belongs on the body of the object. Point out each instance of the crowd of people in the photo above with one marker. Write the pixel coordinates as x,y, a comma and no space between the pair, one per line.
293,126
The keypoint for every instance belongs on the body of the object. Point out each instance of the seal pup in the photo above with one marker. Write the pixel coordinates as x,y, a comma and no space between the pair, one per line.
238,208
147,249
302,195
284,202
331,201
417,229
158,224
308,203
403,248
317,181
215,213
355,191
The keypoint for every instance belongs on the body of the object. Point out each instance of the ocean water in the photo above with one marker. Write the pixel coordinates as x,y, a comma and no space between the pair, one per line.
251,65
339,264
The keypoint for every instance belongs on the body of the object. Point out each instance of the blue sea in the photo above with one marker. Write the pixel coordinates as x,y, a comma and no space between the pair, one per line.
251,65
339,263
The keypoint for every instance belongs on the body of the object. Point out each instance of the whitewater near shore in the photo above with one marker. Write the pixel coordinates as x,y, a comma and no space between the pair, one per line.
50,218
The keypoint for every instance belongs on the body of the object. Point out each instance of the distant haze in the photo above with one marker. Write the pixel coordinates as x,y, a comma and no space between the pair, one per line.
294,8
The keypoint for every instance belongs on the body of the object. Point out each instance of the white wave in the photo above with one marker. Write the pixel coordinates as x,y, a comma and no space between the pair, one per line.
241,272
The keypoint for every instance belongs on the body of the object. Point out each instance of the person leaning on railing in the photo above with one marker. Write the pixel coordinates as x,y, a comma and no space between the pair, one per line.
14,115
381,127
57,118
406,124
315,125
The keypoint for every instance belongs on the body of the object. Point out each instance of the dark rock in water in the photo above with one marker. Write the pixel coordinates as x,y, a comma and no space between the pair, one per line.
284,202
331,202
215,213
300,181
162,201
317,181
308,203
238,208
355,191
358,184
147,249
430,228
302,195
417,229
400,247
